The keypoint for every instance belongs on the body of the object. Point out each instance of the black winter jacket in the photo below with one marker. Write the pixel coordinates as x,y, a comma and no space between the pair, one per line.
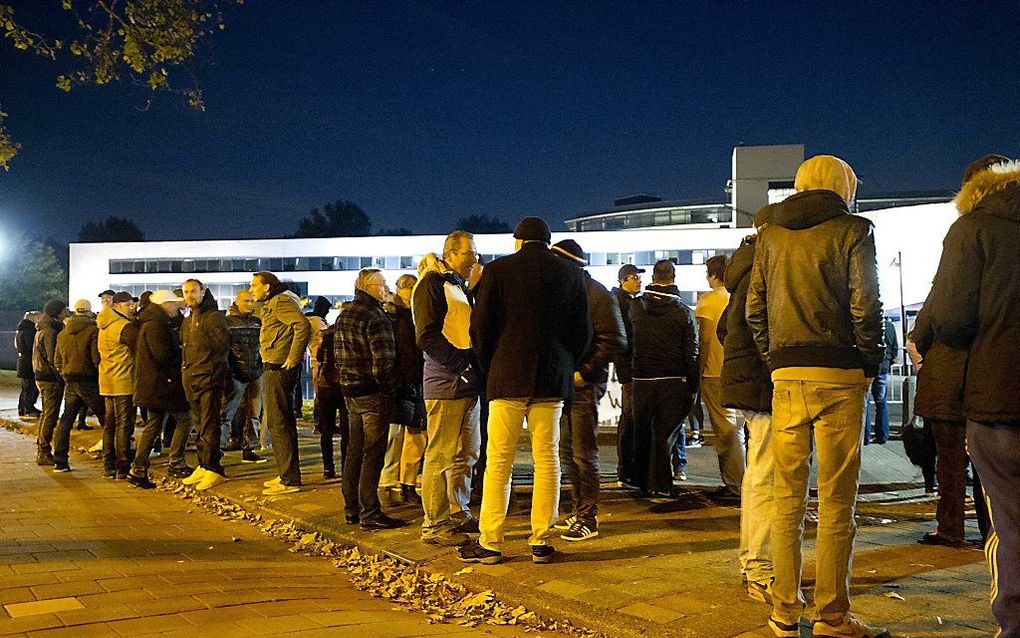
158,363
975,300
245,360
205,346
409,400
530,326
813,298
77,354
892,346
609,337
44,349
940,379
23,339
622,363
665,336
746,383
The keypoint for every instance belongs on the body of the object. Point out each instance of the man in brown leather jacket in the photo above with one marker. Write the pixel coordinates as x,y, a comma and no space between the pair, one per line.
814,311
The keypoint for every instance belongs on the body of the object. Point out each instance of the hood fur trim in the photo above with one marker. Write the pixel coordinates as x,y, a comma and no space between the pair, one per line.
991,180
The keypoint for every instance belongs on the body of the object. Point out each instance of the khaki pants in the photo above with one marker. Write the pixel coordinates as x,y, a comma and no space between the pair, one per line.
404,451
756,506
506,419
454,443
834,413
729,434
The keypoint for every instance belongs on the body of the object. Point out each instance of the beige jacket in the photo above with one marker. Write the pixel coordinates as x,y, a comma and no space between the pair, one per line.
285,331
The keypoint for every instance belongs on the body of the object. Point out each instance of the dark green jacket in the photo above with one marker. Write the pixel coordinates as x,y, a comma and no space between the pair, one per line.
77,354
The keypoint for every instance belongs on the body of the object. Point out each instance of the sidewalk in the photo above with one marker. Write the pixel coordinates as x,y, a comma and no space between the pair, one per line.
82,556
661,567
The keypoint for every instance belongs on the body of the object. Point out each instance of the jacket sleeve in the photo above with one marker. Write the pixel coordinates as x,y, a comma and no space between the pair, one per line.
865,303
956,293
578,326
94,348
58,357
756,310
690,351
383,347
486,319
290,314
129,336
922,335
609,339
429,308
721,328
158,340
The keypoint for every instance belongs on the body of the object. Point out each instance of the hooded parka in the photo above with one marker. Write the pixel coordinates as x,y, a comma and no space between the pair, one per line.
117,336
77,353
45,347
158,363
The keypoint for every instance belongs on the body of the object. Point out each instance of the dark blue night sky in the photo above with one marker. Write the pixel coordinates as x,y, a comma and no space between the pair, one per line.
426,112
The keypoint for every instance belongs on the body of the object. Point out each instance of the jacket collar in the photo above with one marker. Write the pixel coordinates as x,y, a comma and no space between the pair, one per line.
662,290
808,208
1000,184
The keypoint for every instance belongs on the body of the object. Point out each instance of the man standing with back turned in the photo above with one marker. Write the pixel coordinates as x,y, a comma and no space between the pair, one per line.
814,310
530,330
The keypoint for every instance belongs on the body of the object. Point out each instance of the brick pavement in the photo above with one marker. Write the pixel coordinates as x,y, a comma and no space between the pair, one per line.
82,556
665,568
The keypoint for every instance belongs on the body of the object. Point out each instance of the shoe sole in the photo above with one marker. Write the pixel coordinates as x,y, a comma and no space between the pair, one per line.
61,470
542,560
440,543
277,493
258,461
488,560
884,634
780,632
578,540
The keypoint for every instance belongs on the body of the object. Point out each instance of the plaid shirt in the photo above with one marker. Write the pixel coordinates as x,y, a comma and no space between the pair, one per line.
365,348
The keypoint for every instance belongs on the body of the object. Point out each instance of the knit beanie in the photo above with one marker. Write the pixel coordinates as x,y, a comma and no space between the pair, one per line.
571,251
533,229
54,307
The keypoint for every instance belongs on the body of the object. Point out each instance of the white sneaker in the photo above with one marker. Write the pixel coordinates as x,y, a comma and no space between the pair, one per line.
194,477
211,479
272,482
851,627
280,488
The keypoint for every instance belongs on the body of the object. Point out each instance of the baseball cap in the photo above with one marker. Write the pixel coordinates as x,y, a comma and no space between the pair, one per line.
123,296
106,292
82,306
627,270
164,296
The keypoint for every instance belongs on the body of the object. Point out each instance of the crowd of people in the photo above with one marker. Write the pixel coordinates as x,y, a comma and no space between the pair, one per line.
782,353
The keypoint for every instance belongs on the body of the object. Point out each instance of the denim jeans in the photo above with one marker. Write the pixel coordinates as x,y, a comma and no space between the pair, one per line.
117,433
831,415
52,392
154,428
728,429
881,421
660,407
506,420
454,443
331,416
680,450
625,435
579,450
277,401
242,414
29,395
756,506
369,423
78,395
206,406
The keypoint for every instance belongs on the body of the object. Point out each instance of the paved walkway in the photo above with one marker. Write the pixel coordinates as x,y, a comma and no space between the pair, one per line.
667,568
82,556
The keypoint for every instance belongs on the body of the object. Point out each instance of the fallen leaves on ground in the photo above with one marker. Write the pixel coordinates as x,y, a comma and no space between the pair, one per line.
440,599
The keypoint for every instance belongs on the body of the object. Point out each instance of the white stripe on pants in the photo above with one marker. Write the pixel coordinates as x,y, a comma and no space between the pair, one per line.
506,419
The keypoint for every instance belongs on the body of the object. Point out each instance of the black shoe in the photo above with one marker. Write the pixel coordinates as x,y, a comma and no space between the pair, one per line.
109,474
329,474
248,456
408,494
934,538
233,446
83,426
542,554
121,476
381,522
61,467
351,519
475,553
724,496
468,526
181,472
580,530
142,482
